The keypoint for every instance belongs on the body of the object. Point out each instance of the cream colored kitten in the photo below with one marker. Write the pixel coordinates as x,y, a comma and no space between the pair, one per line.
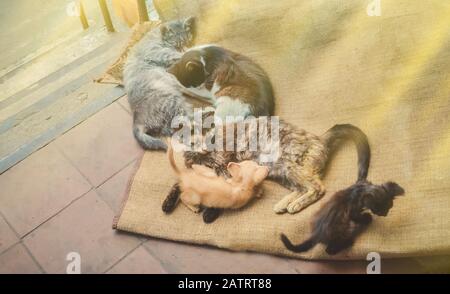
200,186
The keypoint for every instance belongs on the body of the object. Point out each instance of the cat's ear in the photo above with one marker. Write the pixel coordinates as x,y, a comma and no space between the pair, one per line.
194,66
189,24
196,72
260,174
235,170
393,189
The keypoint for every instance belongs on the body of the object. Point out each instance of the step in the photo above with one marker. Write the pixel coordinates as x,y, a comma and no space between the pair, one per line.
37,114
43,96
43,127
63,70
40,64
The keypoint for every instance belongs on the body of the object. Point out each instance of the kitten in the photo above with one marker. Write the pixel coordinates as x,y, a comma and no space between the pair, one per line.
345,216
238,86
200,186
299,167
155,96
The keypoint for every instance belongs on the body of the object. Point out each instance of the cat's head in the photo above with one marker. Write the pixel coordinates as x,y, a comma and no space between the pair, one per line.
248,172
380,198
179,33
190,69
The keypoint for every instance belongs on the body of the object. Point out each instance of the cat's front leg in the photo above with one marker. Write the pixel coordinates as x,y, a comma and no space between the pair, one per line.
201,95
336,247
211,214
362,218
304,201
314,191
282,205
172,198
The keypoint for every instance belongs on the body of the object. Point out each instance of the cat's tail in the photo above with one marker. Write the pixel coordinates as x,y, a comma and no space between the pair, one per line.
305,246
171,158
146,141
339,133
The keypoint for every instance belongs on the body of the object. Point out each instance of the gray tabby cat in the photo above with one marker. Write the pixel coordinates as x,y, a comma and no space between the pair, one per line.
155,96
299,167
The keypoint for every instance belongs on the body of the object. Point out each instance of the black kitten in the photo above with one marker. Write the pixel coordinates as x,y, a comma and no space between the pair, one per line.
345,216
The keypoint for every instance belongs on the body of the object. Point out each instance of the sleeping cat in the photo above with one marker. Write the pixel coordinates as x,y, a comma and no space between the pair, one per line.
155,96
201,186
344,217
238,86
299,166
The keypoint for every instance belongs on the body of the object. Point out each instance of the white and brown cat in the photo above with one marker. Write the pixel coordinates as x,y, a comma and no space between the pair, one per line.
237,86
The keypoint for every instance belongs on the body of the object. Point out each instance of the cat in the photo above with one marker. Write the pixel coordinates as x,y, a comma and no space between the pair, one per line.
237,86
299,167
200,186
155,96
345,216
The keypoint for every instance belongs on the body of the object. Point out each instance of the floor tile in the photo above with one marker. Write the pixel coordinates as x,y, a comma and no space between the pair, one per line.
140,261
401,266
39,187
85,228
192,259
113,190
102,145
124,103
388,266
16,260
7,236
329,267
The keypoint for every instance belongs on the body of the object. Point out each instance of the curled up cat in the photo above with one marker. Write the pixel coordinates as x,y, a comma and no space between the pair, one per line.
236,85
346,215
200,186
155,96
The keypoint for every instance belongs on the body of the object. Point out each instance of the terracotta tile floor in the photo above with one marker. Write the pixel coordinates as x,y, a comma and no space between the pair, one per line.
62,199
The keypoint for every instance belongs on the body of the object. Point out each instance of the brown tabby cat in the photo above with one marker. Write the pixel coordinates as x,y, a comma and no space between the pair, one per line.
299,166
346,215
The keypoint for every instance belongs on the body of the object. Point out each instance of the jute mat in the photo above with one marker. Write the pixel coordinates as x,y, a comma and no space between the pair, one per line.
330,63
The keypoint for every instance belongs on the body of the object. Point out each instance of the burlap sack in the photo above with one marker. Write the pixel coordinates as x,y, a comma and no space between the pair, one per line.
330,62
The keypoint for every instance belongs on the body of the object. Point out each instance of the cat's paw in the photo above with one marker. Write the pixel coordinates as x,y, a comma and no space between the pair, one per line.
169,205
171,200
295,207
283,204
332,250
365,219
211,214
335,248
280,207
